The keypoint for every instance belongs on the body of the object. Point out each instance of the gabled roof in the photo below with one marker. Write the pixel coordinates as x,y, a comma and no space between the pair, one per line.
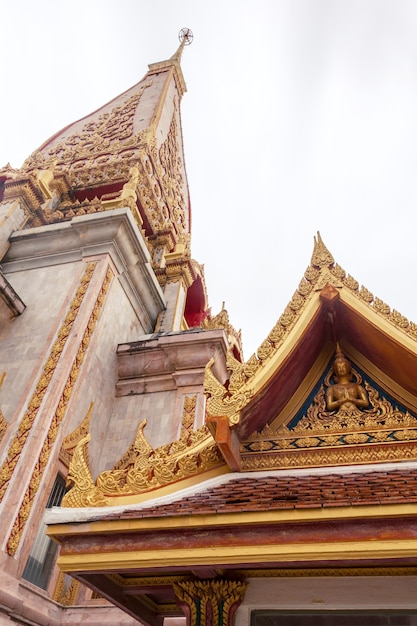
328,306
272,414
267,525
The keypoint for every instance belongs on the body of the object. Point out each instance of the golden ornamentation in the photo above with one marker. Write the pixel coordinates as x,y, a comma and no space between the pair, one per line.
3,423
221,320
107,149
48,444
210,602
265,350
237,374
66,590
110,135
351,283
172,178
24,189
398,319
328,456
143,468
321,257
379,432
345,397
23,430
381,307
83,493
219,401
322,271
366,295
145,581
71,440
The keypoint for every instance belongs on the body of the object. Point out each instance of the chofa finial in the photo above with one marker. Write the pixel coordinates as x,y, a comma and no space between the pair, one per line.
321,257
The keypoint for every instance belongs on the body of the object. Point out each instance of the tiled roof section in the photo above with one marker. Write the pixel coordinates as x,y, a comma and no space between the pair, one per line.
281,492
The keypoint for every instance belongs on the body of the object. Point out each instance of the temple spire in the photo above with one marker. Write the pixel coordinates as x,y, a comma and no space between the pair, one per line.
186,37
174,63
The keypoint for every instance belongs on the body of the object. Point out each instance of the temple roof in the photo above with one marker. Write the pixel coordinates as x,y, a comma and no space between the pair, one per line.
275,491
338,489
329,306
130,150
279,491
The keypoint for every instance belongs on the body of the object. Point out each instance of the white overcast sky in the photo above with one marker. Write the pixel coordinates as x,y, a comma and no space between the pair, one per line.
301,115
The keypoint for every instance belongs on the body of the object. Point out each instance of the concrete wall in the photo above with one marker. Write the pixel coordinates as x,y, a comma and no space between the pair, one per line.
120,303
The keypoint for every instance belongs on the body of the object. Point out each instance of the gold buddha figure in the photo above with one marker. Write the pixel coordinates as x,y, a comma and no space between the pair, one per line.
345,395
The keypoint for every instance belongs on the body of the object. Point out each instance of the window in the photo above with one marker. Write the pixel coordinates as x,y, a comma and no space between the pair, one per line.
42,556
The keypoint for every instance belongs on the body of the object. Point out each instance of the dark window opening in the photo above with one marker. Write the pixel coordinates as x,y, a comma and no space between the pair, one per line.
42,556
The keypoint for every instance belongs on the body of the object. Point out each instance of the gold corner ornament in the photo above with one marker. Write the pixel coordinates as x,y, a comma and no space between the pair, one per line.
220,401
210,602
85,493
143,468
221,320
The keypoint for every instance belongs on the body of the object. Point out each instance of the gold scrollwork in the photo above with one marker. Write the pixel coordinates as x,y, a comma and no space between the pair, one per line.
220,401
379,432
143,468
66,590
23,430
32,489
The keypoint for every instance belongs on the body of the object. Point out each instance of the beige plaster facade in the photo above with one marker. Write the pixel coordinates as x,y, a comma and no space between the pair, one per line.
94,338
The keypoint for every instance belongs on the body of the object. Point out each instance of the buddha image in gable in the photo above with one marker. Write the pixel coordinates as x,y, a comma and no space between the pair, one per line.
345,396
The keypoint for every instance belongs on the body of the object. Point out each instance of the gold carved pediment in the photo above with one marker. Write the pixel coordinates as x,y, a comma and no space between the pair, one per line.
383,431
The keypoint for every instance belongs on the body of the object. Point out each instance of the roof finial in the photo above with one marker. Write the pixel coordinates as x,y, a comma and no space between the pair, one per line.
186,37
321,256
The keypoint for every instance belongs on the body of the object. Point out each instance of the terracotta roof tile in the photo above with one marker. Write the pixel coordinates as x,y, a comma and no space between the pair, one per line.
279,492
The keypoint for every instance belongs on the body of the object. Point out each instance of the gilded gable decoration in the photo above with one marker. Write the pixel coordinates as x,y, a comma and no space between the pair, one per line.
348,421
322,275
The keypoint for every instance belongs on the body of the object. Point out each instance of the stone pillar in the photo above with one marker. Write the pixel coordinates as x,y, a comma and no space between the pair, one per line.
210,602
178,277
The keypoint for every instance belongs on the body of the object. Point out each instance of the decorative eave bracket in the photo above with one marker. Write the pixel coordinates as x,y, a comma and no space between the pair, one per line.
227,440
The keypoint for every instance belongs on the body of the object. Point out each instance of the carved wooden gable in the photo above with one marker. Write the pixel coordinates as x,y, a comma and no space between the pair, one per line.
315,436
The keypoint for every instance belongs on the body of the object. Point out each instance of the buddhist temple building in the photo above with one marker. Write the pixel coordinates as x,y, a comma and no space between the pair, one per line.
151,475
